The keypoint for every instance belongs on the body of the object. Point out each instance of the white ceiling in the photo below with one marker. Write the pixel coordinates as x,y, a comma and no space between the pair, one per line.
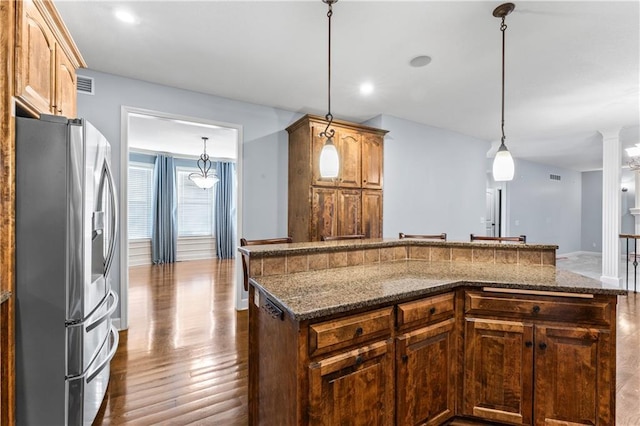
572,67
150,133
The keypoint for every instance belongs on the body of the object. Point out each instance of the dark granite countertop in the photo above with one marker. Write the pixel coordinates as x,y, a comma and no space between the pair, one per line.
269,250
4,296
308,295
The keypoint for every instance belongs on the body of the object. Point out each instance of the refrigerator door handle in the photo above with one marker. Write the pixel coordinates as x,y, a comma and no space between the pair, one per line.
113,217
107,313
114,347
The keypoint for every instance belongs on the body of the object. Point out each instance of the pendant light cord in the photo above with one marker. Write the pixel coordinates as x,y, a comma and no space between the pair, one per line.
503,27
329,117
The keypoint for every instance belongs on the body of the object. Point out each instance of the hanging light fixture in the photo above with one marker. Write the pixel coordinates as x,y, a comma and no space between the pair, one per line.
503,167
329,161
205,179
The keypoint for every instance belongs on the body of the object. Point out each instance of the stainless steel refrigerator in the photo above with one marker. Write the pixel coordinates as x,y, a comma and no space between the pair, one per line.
66,227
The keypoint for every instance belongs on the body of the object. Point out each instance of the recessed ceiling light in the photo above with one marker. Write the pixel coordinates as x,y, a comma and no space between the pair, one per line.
420,61
366,88
125,16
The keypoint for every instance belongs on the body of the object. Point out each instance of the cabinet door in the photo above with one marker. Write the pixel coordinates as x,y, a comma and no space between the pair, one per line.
372,155
349,212
353,388
426,371
65,99
348,145
372,213
35,66
324,211
498,370
349,150
573,376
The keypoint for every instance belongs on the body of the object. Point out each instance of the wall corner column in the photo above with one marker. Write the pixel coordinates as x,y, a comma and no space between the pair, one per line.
611,210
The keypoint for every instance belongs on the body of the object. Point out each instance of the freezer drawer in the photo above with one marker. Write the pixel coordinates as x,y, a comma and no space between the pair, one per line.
86,338
85,392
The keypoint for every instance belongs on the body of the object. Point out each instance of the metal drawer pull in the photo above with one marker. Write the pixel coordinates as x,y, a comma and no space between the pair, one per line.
536,309
359,331
528,344
359,360
542,346
432,310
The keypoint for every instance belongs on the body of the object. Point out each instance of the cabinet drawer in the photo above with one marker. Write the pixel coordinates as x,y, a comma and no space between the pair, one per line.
354,329
425,310
592,311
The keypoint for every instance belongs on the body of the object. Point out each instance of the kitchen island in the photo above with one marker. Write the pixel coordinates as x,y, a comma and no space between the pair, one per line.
420,332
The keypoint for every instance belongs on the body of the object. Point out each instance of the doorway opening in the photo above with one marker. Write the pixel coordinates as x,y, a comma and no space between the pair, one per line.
147,133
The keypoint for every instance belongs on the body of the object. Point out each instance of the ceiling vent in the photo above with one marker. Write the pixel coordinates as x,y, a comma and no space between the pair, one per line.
555,177
85,85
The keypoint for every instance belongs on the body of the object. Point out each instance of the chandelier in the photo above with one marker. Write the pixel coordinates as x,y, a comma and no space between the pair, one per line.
206,178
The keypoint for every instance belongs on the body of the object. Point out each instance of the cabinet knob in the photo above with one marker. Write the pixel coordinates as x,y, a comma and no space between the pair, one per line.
405,358
359,331
542,346
536,309
528,344
432,310
359,360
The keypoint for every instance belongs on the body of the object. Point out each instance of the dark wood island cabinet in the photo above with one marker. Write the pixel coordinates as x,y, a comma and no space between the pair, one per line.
397,336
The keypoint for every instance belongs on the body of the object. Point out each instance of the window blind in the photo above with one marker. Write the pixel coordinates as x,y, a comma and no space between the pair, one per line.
140,199
195,206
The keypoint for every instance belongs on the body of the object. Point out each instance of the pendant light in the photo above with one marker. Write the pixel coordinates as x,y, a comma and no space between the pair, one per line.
503,167
329,161
205,179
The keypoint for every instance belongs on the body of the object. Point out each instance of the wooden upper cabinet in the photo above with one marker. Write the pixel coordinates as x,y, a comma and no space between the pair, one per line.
46,60
360,155
348,145
35,58
66,97
372,159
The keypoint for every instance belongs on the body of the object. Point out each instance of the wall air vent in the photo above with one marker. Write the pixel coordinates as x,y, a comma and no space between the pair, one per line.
85,85
555,177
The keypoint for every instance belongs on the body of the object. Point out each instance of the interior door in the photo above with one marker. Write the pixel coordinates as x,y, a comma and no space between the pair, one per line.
490,214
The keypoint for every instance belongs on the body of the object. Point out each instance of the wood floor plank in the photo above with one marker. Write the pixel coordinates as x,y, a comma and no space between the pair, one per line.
183,360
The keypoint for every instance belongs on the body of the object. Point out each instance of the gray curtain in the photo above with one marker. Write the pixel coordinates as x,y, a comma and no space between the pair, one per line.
225,207
164,233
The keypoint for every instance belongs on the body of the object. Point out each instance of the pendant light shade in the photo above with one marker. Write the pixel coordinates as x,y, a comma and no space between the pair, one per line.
329,159
503,167
206,178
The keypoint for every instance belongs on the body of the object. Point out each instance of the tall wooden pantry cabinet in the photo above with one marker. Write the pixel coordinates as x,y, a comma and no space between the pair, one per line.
348,204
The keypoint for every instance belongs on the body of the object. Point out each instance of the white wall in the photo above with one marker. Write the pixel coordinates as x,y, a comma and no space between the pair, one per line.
546,211
434,180
265,143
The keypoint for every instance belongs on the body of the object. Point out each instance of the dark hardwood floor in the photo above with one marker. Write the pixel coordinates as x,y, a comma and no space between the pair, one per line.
184,358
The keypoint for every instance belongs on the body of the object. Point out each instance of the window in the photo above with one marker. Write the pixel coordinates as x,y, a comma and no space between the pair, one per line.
195,206
140,199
